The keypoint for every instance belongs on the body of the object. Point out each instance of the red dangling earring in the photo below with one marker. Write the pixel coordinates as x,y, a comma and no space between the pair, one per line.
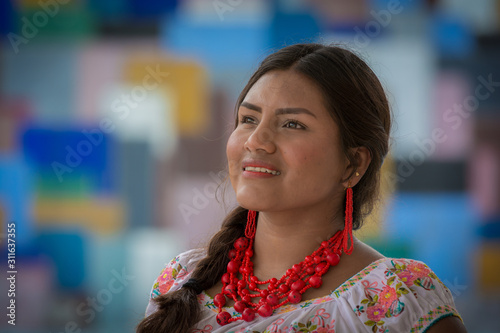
250,228
347,234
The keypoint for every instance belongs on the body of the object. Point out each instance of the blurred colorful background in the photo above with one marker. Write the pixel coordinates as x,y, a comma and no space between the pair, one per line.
114,117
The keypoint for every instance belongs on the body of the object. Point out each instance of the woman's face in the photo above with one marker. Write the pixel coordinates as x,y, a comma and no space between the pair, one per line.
285,152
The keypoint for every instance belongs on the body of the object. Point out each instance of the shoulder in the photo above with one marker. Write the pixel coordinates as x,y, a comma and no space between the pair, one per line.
401,295
176,270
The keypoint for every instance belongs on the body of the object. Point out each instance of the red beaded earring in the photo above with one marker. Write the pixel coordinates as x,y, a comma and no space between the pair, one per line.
348,220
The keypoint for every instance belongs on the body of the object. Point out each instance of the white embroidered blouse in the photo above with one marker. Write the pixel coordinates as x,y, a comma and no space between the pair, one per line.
389,295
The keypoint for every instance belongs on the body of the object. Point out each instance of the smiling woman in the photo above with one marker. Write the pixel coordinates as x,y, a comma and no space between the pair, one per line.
312,129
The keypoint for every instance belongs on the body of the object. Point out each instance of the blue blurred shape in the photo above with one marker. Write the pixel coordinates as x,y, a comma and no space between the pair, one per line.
152,8
132,8
221,47
66,249
7,17
63,153
292,28
440,228
16,194
451,36
490,229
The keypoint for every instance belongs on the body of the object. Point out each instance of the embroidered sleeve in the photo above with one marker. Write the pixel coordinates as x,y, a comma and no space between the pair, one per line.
168,276
408,297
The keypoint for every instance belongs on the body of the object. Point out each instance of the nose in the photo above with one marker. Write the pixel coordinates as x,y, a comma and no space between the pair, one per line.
262,138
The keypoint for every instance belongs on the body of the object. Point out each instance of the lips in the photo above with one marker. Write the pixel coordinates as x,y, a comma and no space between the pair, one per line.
261,169
260,166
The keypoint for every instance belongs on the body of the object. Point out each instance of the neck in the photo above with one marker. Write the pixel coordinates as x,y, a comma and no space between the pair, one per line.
285,239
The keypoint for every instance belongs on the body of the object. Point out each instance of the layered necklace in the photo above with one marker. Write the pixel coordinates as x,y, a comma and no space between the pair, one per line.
289,288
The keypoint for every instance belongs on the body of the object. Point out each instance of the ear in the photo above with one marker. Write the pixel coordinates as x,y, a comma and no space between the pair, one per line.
361,160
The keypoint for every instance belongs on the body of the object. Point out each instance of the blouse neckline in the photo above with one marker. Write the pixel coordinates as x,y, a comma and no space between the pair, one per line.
350,282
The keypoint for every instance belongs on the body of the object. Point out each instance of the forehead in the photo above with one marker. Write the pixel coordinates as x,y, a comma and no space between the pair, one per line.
288,88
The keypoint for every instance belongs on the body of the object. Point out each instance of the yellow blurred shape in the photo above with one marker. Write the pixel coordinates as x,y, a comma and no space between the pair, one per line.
187,80
488,259
372,226
102,216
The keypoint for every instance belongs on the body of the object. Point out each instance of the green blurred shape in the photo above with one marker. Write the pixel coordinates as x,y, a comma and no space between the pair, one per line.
73,19
74,186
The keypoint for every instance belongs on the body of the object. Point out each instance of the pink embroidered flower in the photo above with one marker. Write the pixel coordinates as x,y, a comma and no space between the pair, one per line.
418,269
165,286
165,275
324,330
375,312
407,277
387,296
165,280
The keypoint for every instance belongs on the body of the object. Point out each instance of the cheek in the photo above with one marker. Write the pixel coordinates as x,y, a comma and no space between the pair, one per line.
234,150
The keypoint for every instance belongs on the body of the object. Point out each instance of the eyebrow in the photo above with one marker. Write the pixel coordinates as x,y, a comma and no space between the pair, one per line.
279,111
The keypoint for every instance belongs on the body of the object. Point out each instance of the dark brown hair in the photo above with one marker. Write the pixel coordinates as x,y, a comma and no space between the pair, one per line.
357,103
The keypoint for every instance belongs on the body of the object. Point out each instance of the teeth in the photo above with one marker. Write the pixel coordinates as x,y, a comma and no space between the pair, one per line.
257,169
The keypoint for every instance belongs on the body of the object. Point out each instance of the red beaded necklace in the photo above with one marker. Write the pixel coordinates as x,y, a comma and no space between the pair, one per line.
289,288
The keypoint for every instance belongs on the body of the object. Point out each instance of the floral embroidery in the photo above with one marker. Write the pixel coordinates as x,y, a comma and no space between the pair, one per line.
431,316
206,329
359,310
174,270
315,324
386,302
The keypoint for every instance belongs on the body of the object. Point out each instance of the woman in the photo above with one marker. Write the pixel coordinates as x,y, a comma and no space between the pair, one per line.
304,159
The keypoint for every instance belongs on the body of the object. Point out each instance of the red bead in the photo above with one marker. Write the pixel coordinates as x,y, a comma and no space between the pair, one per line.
223,318
240,306
320,267
247,299
248,314
244,292
310,270
333,259
309,258
315,281
283,288
242,284
274,280
252,286
324,244
317,259
219,300
265,310
272,299
254,279
226,278
297,268
233,266
289,272
294,297
264,293
241,243
232,254
230,289
298,285
244,270
249,253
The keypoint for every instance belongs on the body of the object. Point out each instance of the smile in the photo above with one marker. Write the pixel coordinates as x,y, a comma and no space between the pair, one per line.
263,170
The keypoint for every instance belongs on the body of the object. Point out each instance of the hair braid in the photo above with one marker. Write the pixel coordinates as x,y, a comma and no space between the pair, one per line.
179,310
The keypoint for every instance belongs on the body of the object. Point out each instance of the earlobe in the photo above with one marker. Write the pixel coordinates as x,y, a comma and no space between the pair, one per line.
355,171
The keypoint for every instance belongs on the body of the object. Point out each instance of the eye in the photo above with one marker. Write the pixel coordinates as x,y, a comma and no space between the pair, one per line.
293,124
247,120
